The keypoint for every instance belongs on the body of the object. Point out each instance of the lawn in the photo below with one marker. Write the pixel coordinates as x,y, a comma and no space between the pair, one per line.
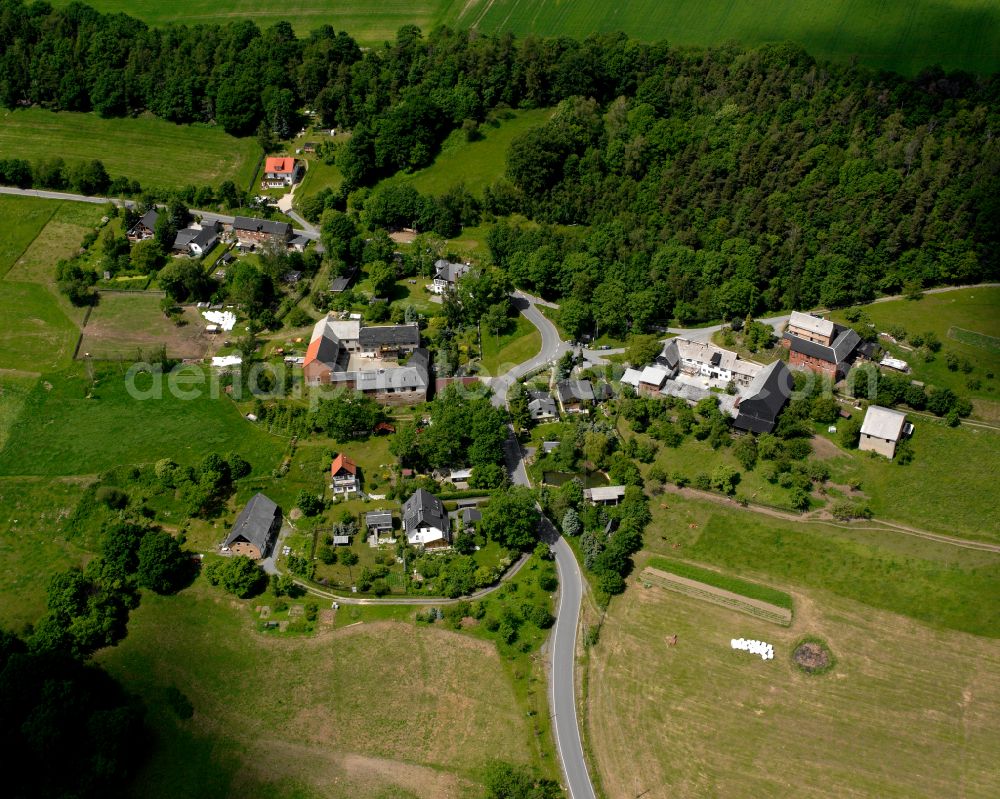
900,35
24,219
123,325
502,352
941,585
70,427
381,709
907,711
967,322
891,34
183,154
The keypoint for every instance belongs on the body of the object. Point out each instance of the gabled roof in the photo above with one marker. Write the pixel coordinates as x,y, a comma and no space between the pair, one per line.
883,423
423,509
604,493
543,404
324,346
843,345
343,463
670,356
759,406
470,515
654,376
266,226
446,270
255,523
569,390
390,335
280,165
814,324
378,518
631,377
149,218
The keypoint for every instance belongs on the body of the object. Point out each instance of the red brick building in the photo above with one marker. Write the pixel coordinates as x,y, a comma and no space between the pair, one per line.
819,345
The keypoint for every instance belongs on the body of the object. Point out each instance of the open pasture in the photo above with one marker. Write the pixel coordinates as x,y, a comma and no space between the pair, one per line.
372,709
154,152
71,425
906,711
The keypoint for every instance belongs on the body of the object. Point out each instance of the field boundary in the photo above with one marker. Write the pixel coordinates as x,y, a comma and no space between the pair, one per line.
27,247
973,339
717,596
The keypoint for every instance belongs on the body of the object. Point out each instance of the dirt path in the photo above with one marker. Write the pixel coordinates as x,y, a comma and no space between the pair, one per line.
823,517
718,596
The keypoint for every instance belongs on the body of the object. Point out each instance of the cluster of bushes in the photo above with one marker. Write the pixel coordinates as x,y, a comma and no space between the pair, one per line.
239,575
204,489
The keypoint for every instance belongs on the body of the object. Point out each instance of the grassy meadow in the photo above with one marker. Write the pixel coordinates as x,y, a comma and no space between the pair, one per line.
906,711
899,35
37,334
147,149
941,585
320,716
71,426
519,343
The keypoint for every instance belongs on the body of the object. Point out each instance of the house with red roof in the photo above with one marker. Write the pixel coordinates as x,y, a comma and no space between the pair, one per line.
344,476
281,171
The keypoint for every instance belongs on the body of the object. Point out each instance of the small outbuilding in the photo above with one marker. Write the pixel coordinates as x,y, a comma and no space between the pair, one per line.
882,430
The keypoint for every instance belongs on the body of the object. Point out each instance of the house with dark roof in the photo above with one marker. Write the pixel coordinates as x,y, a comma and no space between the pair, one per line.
447,275
541,406
819,345
197,241
255,529
575,396
342,283
250,231
425,521
344,479
145,227
381,340
468,518
758,406
379,526
401,385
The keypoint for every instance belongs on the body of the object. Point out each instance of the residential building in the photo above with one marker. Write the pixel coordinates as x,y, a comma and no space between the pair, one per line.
447,275
701,359
604,495
882,430
401,385
542,407
250,232
757,407
255,529
344,479
197,241
575,396
819,345
145,227
379,526
425,521
325,356
393,340
281,171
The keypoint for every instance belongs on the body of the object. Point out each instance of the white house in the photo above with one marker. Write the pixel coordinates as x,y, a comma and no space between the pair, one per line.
344,476
446,275
281,171
425,521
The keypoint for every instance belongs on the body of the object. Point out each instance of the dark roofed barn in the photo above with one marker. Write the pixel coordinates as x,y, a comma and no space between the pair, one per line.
758,408
255,529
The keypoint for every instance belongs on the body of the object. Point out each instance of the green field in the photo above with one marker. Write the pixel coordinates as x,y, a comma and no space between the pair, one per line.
37,335
382,709
476,164
24,218
907,711
150,150
70,427
724,581
942,585
895,34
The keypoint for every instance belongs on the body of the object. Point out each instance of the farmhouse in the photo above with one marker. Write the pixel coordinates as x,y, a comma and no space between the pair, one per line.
882,430
425,521
401,385
145,227
575,396
542,407
604,495
326,355
758,406
819,344
281,171
447,275
700,359
395,340
255,529
197,240
344,476
250,231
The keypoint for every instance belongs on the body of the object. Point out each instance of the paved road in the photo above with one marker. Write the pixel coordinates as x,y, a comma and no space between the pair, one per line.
562,664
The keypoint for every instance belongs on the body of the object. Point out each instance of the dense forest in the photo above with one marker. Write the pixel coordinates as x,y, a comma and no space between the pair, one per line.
707,183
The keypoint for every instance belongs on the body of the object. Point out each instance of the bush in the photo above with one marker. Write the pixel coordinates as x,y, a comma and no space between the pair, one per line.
548,582
114,498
